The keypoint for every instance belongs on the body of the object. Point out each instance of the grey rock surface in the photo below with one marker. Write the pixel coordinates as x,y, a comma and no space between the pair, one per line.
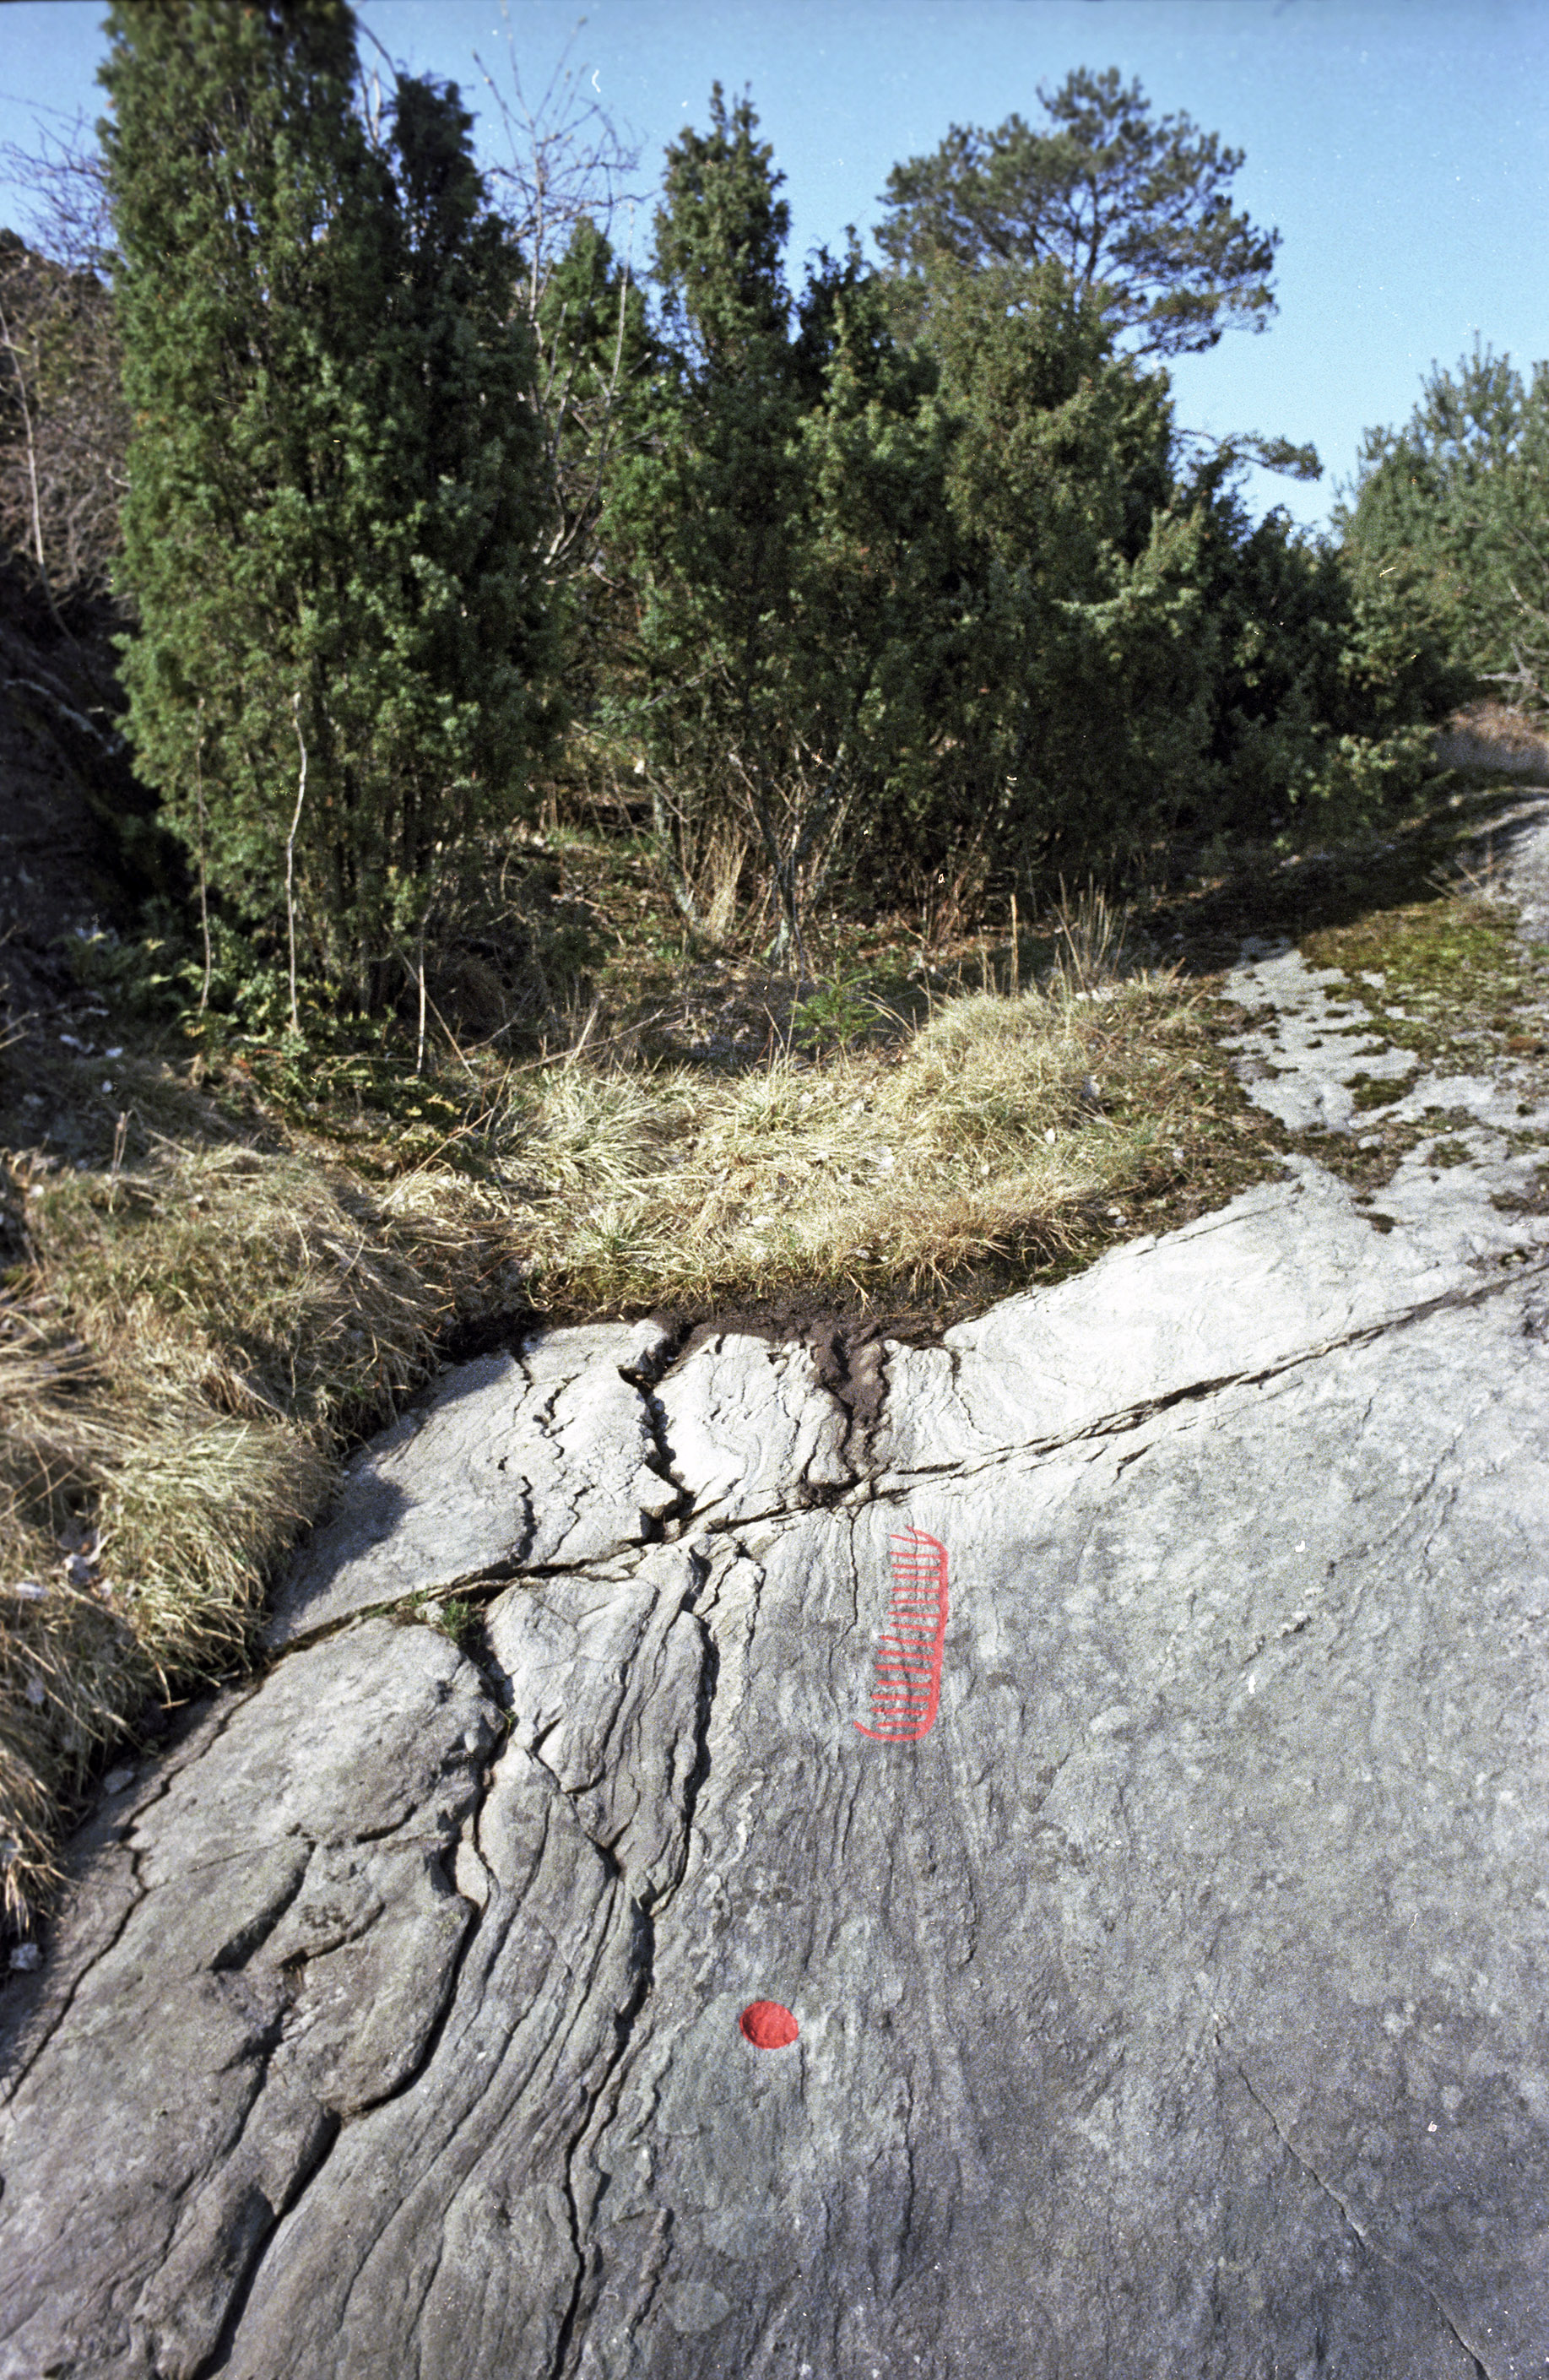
517,1463
1285,1270
1174,2005
1521,858
265,1946
1310,1039
1298,1064
1301,1064
748,1429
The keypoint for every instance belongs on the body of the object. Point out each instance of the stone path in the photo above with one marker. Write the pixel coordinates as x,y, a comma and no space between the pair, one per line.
1175,2005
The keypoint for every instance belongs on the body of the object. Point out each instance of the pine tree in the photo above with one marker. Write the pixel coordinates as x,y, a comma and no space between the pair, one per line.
1454,505
334,484
1135,209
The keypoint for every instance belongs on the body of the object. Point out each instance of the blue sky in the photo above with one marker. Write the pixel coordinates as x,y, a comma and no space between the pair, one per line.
1401,147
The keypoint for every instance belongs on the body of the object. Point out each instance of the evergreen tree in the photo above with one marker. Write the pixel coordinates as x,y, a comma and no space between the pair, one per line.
955,594
1324,688
595,360
334,479
1454,508
1135,209
596,354
781,519
704,512
1087,653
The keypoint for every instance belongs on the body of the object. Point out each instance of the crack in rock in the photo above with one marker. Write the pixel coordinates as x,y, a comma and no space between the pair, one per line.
396,2030
1363,2231
508,1461
35,2007
1119,1421
261,2002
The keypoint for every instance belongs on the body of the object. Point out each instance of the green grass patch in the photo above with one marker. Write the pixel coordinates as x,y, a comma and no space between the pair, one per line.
1369,1092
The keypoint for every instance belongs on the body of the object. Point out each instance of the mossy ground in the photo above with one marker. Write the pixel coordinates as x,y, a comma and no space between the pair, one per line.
1432,958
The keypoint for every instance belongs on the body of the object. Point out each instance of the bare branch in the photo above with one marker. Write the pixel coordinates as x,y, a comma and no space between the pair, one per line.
63,428
29,441
65,178
568,160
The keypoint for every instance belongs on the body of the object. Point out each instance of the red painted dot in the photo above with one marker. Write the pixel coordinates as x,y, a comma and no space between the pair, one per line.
768,2025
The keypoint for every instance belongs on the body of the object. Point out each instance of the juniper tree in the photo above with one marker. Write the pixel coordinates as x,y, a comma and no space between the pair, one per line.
703,514
334,484
936,593
595,359
1079,711
780,517
959,589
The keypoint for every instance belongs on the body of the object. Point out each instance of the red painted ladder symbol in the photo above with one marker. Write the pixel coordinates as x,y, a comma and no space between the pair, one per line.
906,1688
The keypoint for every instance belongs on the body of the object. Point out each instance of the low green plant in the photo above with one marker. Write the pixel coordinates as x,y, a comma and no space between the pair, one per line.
1369,1092
146,976
840,1012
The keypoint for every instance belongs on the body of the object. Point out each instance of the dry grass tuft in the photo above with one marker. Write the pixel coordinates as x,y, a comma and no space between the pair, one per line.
189,1348
273,1286
991,1136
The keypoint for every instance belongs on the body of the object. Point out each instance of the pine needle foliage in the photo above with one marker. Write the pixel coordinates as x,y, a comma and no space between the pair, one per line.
1452,510
1135,210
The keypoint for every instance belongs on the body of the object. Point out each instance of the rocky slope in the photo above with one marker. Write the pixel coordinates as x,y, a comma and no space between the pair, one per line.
1172,2002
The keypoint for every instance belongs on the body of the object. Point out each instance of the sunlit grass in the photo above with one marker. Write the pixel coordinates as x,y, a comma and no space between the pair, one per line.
992,1133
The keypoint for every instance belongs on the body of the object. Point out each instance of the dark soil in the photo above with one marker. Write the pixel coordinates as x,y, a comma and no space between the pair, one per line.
78,846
